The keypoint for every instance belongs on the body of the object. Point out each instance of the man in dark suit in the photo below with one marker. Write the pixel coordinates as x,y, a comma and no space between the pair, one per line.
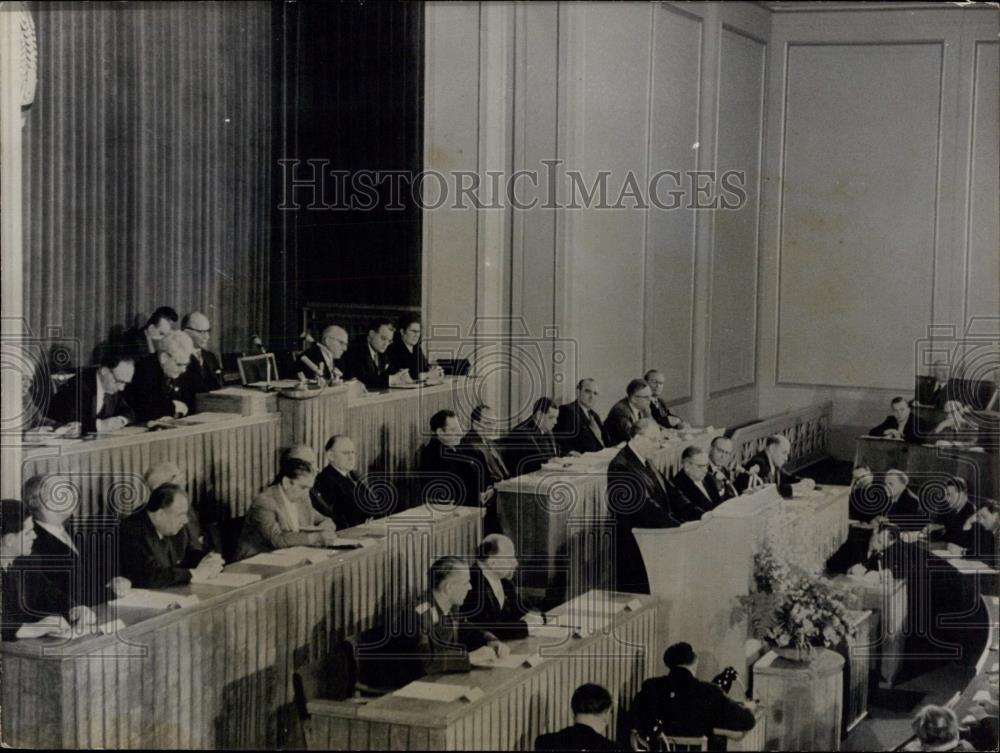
640,497
681,705
349,501
579,428
493,602
367,362
657,407
448,472
767,467
438,638
204,373
95,397
627,411
959,514
480,444
155,549
82,571
691,480
591,706
531,443
868,499
902,424
933,391
720,468
143,341
322,359
905,509
157,390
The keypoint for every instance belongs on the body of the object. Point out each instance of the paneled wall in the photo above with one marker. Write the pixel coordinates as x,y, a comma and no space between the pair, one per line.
631,90
881,203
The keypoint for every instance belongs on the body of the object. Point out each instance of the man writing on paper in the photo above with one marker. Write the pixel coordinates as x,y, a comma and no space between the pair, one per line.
155,548
95,397
902,424
282,515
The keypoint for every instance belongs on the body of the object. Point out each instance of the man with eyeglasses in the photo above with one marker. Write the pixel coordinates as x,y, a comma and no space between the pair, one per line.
94,398
657,407
627,411
720,470
158,391
691,479
579,429
322,359
205,372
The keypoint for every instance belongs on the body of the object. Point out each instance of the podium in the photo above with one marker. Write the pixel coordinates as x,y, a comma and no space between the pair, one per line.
702,567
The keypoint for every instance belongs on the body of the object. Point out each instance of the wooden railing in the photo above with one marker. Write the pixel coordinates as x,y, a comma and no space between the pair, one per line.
807,429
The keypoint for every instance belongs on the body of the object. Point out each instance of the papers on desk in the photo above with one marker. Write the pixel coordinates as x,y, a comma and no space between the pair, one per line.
548,631
292,556
343,542
51,625
229,580
438,691
410,386
145,599
513,661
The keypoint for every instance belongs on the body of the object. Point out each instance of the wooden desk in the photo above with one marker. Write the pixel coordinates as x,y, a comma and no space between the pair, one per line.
389,427
930,464
218,674
518,704
559,518
807,429
225,462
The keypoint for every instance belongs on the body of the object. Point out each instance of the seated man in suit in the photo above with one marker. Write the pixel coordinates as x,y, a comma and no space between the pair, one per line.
449,474
282,515
640,497
657,407
439,640
958,513
720,469
157,391
868,499
627,411
956,426
531,443
205,371
168,472
321,360
865,549
691,480
933,391
349,500
367,362
591,706
82,570
155,548
480,443
680,704
902,424
579,428
493,602
38,606
767,467
95,397
405,351
905,509
144,340
984,532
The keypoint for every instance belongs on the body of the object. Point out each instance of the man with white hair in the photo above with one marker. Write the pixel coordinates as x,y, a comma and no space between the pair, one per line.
768,467
493,602
157,390
205,372
322,359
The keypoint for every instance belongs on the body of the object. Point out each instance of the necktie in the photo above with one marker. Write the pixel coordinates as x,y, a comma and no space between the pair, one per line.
594,427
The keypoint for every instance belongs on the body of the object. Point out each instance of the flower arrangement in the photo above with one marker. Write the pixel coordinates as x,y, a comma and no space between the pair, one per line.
790,608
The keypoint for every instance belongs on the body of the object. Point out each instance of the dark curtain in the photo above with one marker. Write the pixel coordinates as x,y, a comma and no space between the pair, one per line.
148,168
357,78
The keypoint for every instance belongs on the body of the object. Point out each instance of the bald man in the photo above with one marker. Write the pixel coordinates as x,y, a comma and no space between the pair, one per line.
204,373
493,602
322,359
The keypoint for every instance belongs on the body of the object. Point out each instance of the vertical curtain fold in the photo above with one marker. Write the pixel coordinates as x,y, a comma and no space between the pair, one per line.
148,168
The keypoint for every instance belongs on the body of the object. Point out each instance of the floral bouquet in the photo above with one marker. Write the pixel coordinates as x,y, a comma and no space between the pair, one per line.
790,608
